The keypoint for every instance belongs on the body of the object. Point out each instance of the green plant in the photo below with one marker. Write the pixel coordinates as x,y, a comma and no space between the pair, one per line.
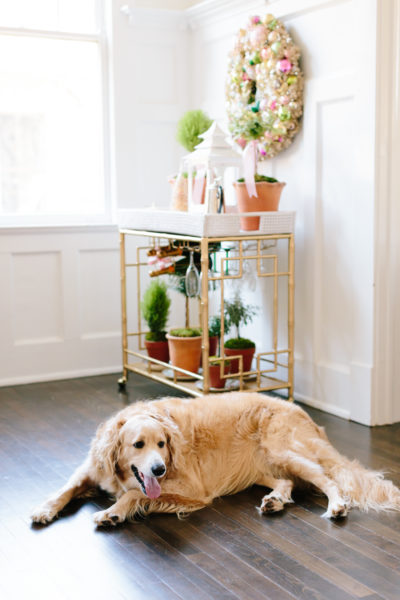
227,362
185,174
239,343
185,332
258,178
155,309
237,313
214,326
190,126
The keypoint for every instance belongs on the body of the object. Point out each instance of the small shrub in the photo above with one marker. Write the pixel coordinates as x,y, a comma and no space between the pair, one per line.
214,326
237,313
155,308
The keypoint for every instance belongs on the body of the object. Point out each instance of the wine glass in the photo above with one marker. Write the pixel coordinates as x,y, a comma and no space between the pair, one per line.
192,279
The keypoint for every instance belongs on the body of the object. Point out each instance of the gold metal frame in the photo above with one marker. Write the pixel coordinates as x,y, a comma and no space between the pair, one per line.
273,358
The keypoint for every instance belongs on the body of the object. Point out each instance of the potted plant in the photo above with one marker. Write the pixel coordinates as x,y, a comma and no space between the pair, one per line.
192,124
185,348
237,314
214,332
155,308
268,195
216,381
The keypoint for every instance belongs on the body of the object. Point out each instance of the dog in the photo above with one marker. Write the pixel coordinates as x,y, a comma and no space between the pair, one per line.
175,455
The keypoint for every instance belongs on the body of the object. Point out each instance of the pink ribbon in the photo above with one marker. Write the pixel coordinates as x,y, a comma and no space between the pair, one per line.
249,167
198,186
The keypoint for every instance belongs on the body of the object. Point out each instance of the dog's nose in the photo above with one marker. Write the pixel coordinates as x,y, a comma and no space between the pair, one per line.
158,470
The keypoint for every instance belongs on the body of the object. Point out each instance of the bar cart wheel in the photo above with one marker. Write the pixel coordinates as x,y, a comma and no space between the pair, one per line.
122,383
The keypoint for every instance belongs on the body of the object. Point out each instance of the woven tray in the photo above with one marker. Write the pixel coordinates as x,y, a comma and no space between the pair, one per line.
200,225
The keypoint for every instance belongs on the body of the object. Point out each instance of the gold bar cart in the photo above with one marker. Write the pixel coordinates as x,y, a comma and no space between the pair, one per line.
264,376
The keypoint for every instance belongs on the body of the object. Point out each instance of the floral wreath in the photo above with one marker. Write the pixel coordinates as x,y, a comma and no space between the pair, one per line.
265,87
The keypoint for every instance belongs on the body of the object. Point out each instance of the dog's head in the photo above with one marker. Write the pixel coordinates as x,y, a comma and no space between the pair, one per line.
141,449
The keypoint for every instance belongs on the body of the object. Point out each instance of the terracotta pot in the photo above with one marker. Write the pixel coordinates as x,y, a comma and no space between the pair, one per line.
215,378
247,354
213,342
185,352
267,199
158,350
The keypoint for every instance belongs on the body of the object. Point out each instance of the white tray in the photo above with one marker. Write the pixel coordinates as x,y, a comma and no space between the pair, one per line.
201,225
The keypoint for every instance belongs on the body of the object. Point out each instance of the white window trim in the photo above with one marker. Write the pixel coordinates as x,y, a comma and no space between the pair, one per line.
8,221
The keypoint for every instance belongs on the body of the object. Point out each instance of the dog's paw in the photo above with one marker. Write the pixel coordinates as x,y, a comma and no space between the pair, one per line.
107,518
43,515
337,510
270,504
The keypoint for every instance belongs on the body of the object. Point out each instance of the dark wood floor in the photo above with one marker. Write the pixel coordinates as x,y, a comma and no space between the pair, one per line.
227,551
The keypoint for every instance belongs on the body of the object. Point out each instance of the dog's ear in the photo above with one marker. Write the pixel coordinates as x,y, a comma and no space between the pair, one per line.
107,445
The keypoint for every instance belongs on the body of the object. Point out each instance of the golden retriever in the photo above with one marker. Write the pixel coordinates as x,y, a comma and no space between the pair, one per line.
177,454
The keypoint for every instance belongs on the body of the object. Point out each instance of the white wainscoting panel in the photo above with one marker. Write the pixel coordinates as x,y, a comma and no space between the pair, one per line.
60,303
99,283
36,288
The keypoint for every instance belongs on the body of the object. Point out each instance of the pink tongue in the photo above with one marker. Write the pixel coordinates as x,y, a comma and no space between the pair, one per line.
153,488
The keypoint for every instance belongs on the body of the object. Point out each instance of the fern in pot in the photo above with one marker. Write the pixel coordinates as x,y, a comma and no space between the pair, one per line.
238,314
155,310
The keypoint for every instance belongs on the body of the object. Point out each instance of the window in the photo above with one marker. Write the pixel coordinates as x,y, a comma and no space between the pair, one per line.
52,159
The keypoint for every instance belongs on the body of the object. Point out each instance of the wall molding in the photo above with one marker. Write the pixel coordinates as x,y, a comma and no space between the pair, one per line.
153,17
325,406
203,13
386,376
57,376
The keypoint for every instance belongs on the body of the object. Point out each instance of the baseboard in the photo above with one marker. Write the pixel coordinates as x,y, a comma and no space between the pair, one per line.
329,408
75,374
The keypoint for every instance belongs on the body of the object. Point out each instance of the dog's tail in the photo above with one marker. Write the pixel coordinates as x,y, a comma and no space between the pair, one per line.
366,490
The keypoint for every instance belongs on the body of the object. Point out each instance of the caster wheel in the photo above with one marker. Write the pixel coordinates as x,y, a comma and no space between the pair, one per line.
122,383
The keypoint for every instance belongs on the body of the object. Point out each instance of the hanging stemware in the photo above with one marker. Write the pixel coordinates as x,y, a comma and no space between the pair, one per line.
192,279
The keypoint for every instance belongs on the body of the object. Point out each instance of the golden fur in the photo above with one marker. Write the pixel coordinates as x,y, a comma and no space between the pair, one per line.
213,446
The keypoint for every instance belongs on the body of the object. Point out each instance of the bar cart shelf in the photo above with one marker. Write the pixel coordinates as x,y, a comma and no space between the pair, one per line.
270,250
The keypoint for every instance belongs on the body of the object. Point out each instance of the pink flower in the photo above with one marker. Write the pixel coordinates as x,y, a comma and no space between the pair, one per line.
255,20
284,65
265,53
245,77
242,142
258,36
261,150
273,105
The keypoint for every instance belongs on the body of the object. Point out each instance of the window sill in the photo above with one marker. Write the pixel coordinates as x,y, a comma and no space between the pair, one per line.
47,228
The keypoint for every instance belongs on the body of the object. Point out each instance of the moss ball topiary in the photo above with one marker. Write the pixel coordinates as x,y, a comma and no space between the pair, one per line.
190,126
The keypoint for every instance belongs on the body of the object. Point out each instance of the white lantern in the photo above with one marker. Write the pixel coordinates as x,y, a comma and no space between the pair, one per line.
210,159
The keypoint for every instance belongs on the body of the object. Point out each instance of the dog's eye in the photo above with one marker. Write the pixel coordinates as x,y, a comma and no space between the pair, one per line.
139,444
161,444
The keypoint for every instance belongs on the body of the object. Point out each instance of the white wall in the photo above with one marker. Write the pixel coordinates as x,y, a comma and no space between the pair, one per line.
329,171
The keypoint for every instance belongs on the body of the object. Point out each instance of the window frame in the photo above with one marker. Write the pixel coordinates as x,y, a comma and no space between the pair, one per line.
100,37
